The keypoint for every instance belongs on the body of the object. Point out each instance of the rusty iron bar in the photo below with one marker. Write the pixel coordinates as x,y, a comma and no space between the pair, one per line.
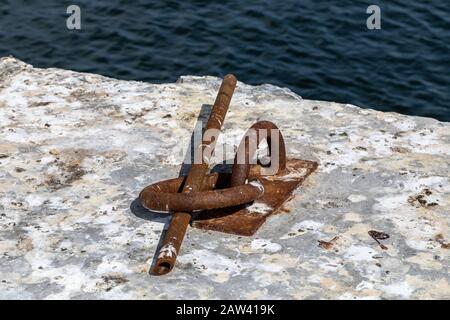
194,180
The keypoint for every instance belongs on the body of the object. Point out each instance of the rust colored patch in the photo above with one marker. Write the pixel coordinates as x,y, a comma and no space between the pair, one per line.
327,245
420,200
377,235
25,244
440,239
74,172
400,149
70,170
54,152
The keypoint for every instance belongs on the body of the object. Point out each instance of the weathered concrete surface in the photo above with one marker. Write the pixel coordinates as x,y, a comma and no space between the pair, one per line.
75,150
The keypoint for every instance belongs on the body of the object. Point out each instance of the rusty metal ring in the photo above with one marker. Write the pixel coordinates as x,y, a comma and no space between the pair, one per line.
164,196
241,170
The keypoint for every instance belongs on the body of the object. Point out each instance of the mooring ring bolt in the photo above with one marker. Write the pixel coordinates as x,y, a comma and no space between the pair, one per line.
158,198
241,171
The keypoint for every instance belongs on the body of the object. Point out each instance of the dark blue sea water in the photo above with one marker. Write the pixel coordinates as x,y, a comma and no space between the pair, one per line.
319,49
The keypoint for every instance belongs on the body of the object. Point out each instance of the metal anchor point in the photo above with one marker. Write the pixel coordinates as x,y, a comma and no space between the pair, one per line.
225,202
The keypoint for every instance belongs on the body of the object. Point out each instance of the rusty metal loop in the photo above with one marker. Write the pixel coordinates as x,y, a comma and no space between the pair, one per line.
241,167
164,196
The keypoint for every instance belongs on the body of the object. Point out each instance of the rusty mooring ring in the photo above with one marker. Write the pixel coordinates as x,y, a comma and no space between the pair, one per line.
163,196
241,170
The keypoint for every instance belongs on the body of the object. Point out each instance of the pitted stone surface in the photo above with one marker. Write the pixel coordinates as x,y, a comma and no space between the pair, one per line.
76,149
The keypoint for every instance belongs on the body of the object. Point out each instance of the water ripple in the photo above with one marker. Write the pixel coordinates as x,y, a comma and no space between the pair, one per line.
319,49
